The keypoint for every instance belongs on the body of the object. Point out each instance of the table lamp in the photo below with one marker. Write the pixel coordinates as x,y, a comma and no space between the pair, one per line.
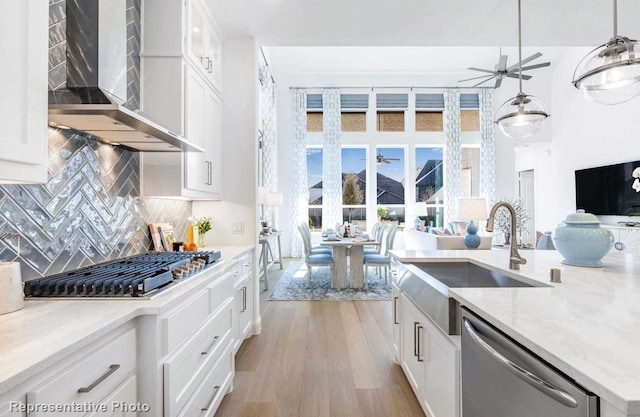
274,200
472,209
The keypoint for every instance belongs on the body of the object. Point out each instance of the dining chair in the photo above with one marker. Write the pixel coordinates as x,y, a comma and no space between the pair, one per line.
381,260
311,259
377,236
306,234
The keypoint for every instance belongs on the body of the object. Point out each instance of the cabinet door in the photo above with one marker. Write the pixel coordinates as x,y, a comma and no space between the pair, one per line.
442,374
412,329
196,169
213,141
23,108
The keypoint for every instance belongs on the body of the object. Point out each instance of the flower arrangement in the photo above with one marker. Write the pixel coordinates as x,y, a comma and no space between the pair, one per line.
202,225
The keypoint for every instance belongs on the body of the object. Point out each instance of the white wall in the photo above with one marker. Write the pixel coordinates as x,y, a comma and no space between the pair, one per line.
505,158
240,121
583,134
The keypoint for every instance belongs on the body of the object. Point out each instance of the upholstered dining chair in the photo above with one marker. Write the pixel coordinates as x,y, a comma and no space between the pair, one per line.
311,259
306,234
377,236
381,259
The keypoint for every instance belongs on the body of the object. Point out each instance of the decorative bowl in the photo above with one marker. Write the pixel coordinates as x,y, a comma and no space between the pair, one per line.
581,241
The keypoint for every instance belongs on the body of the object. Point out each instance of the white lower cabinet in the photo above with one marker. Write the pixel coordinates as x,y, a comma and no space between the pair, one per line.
430,360
99,380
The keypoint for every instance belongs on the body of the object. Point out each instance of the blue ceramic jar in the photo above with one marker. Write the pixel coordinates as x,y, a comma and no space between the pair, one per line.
581,241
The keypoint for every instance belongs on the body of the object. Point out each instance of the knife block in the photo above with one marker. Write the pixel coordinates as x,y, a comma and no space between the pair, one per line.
11,287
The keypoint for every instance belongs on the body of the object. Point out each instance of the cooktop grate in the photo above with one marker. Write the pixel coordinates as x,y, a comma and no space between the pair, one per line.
133,276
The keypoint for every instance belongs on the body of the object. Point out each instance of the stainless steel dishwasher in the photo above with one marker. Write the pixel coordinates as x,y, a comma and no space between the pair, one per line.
500,378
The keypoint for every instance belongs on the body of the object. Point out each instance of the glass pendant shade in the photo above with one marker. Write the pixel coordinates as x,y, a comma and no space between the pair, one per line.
521,116
610,74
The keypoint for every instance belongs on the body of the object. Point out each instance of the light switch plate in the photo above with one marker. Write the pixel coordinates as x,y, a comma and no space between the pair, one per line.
237,228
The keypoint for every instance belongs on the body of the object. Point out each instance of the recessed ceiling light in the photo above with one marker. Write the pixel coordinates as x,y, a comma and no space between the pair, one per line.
196,29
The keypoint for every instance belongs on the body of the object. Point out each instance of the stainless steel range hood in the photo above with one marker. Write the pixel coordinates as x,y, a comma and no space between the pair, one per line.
103,80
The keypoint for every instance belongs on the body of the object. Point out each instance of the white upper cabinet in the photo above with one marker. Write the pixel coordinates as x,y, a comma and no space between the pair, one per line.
23,108
181,89
203,42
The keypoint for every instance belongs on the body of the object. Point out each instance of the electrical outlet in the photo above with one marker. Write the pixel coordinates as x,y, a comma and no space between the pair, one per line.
237,228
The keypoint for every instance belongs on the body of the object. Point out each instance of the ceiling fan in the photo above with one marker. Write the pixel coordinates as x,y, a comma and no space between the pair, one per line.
381,160
501,70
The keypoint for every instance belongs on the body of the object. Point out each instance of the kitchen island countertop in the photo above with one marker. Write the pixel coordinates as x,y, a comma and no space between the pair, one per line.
588,326
47,330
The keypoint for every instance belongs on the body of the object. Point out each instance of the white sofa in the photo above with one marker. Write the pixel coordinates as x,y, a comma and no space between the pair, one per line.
418,240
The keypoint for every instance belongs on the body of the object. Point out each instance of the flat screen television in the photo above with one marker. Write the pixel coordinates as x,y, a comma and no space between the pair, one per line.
608,190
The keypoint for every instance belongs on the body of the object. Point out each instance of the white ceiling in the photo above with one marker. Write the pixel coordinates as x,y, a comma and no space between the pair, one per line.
423,22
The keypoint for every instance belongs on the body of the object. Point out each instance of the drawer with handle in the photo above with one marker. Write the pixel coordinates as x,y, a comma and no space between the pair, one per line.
89,378
220,290
185,369
180,323
246,263
215,385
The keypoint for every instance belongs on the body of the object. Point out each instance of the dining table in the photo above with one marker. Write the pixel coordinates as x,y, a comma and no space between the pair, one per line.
351,249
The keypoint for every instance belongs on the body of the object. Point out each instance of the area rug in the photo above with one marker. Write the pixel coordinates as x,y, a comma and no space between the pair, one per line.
292,286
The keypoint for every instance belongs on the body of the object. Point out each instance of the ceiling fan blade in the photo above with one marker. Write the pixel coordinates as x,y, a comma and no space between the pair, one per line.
502,63
530,67
498,82
524,61
386,161
392,159
515,75
476,78
484,81
480,69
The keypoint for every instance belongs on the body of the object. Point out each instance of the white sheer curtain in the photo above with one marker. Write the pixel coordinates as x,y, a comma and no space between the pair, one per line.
331,159
453,153
487,147
299,186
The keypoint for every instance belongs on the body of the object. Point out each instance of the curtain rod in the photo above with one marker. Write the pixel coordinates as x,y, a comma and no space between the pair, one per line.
405,88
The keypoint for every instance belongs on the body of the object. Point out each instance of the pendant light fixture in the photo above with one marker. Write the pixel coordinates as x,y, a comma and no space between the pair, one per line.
610,74
522,115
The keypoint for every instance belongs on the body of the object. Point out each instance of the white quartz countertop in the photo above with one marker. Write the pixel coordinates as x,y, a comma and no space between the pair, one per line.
588,326
46,329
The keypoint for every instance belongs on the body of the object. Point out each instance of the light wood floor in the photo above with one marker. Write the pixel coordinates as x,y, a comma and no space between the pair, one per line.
320,358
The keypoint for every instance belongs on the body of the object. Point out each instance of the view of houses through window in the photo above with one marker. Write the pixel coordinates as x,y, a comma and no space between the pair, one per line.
392,161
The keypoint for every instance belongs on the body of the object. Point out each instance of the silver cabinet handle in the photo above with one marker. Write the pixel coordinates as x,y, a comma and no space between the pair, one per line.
418,331
415,338
215,340
528,377
244,299
210,403
97,382
395,310
209,172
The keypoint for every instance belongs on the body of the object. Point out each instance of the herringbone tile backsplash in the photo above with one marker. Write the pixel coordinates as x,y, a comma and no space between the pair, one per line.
89,211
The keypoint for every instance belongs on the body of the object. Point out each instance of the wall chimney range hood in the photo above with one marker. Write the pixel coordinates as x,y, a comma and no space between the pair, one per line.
103,80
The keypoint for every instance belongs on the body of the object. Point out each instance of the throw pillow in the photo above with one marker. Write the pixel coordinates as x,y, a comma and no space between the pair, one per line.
442,233
462,230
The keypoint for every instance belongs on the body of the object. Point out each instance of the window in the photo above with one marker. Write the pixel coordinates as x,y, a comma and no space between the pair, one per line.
390,175
429,112
470,172
390,114
314,113
469,113
354,112
314,181
429,175
354,186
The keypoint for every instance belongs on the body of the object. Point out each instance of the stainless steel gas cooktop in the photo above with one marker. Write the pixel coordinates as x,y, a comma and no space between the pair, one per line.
135,276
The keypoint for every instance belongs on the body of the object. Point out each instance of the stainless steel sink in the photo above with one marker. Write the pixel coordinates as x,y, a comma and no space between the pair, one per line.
427,285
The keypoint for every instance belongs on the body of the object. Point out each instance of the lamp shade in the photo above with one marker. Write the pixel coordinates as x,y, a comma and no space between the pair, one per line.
263,195
472,209
274,199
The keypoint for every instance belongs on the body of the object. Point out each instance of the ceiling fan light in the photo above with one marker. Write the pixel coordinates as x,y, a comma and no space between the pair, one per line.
610,74
521,116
